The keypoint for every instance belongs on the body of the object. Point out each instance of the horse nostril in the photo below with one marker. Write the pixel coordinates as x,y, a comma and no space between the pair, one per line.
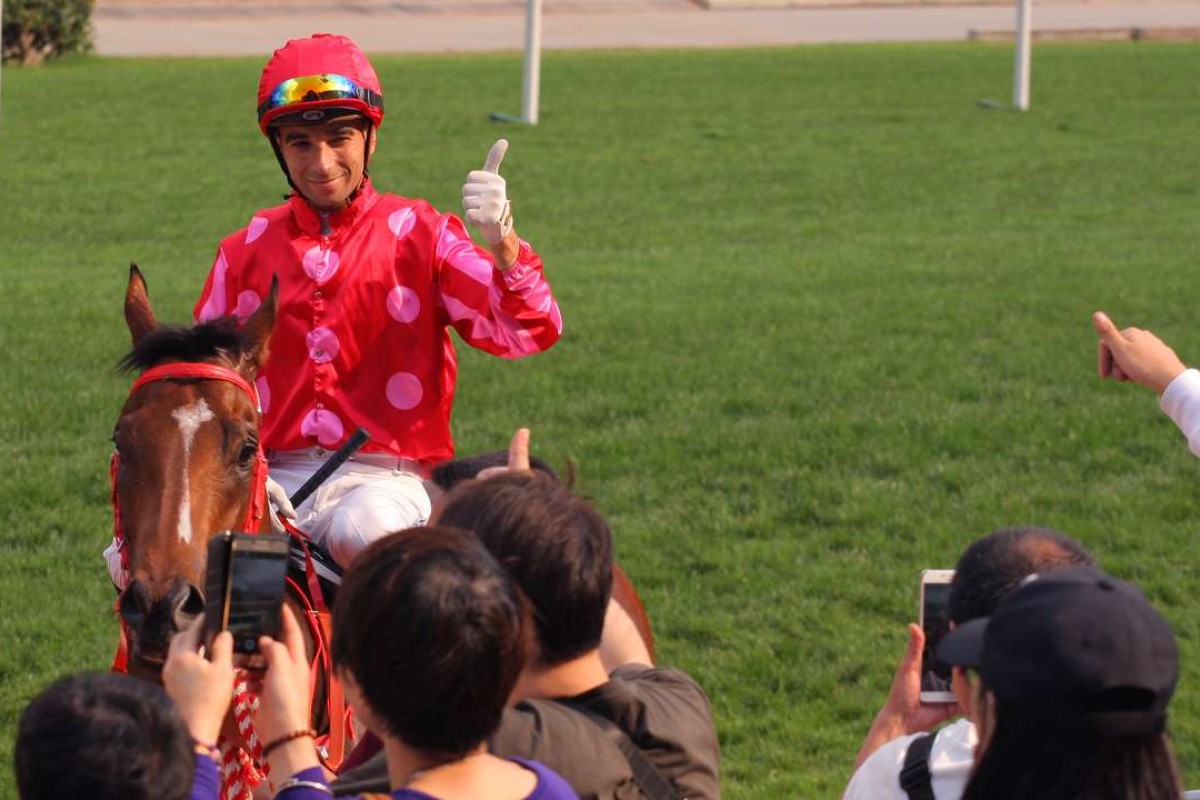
134,604
187,601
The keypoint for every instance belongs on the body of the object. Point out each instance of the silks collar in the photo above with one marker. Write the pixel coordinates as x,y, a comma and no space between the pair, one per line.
309,219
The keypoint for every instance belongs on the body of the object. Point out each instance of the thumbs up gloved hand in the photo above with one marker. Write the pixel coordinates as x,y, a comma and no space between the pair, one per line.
485,200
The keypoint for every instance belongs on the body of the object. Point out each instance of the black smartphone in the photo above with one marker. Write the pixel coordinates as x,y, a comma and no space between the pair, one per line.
935,621
244,588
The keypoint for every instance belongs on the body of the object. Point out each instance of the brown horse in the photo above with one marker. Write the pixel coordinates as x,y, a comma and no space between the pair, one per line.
187,456
187,465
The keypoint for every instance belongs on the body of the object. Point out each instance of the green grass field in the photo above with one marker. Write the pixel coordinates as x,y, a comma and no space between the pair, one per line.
826,322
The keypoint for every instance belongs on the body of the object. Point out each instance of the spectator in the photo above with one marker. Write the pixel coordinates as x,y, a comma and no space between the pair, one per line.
428,643
937,765
559,552
1075,673
103,736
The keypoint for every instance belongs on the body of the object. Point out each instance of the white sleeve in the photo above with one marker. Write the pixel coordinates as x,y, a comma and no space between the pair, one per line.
879,776
1181,402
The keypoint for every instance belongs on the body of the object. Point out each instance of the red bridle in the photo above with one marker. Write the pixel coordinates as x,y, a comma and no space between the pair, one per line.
204,372
238,765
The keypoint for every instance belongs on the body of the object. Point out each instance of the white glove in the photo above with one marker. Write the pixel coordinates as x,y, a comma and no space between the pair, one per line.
278,505
484,199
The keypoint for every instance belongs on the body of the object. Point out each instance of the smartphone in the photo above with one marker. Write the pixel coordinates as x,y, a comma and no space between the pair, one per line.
935,621
244,587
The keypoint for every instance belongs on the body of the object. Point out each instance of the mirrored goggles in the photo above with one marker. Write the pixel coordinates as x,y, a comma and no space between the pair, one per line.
313,88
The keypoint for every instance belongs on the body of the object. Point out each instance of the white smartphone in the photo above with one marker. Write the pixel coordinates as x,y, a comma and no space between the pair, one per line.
935,621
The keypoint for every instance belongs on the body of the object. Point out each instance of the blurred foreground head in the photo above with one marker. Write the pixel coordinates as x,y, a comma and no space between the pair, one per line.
104,736
556,547
428,626
1076,671
994,565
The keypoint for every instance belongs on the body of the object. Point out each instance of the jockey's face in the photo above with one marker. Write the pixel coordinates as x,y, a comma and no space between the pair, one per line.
326,161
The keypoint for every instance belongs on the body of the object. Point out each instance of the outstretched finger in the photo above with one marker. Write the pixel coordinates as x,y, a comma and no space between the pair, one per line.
188,639
518,451
1110,339
1106,329
495,156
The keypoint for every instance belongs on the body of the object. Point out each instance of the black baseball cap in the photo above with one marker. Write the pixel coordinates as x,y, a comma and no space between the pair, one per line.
1074,649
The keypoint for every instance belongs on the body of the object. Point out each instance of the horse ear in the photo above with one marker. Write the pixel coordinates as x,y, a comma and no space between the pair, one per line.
139,316
259,327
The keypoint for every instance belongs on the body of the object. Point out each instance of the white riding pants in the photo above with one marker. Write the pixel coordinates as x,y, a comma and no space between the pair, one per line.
365,498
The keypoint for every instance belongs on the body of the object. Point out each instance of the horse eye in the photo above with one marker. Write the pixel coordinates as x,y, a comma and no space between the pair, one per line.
248,452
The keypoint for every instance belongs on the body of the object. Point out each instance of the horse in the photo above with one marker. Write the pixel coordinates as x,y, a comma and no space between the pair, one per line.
187,464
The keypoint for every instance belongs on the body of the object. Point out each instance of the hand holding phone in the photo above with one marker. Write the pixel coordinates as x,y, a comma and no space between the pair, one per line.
244,588
201,687
935,622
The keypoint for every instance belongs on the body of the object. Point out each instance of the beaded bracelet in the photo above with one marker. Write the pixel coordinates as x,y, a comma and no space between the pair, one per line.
287,737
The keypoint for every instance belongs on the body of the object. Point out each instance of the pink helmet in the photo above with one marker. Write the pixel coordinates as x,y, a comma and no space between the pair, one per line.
318,78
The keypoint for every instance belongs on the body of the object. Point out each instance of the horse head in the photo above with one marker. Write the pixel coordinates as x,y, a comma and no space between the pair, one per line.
187,463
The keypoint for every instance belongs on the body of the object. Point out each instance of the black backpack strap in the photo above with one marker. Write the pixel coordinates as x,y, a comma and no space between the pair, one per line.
915,779
647,776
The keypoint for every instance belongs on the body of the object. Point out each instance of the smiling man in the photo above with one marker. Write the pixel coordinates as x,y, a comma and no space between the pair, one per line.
369,283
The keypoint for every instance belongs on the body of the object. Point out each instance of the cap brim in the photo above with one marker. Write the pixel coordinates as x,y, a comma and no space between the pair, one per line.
316,116
963,646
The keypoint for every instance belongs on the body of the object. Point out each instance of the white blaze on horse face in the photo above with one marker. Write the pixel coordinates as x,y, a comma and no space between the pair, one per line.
190,418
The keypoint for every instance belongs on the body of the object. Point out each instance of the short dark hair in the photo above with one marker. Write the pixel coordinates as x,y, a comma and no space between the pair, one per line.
449,474
1027,759
429,626
994,565
105,736
557,548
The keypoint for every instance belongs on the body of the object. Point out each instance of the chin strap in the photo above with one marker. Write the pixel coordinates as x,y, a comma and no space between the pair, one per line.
274,137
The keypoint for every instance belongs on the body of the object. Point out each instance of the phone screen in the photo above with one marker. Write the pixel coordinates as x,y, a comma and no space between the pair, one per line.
256,588
935,675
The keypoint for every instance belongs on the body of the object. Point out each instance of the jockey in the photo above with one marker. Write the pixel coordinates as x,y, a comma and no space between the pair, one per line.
368,283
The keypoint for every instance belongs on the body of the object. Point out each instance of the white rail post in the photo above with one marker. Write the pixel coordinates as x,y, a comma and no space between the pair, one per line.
1,67
531,77
1021,66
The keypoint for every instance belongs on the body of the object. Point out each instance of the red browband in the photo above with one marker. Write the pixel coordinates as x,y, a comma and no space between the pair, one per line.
204,372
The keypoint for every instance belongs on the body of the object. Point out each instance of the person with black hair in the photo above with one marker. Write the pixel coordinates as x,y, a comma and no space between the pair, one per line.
427,639
637,731
1076,670
103,736
900,759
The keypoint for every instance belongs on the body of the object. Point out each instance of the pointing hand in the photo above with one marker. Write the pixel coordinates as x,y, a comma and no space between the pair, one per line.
1134,355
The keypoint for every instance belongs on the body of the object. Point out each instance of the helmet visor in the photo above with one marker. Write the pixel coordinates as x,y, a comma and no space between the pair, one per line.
318,88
